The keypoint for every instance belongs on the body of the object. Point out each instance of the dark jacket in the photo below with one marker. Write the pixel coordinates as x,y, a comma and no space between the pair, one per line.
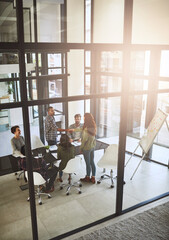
65,154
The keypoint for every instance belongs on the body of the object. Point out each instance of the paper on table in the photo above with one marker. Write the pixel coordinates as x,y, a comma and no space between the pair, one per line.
55,155
53,148
76,143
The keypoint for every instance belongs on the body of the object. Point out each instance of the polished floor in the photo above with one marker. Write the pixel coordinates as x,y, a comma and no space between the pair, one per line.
63,213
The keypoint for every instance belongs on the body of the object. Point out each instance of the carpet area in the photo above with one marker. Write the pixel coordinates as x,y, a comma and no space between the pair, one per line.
152,224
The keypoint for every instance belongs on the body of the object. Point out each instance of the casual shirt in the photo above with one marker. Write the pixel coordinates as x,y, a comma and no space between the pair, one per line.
50,128
77,134
17,144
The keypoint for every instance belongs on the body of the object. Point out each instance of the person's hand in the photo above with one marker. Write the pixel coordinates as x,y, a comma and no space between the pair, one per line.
70,130
79,140
71,140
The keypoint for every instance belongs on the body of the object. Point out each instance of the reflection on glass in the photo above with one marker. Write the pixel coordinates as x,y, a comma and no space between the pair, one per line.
136,115
30,63
8,22
49,20
150,22
28,18
9,65
8,118
108,21
55,88
164,69
32,89
140,63
87,84
108,117
75,21
110,84
163,85
111,62
138,84
163,104
76,107
76,78
88,21
9,91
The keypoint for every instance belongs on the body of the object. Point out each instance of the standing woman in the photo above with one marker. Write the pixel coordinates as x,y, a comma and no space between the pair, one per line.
88,145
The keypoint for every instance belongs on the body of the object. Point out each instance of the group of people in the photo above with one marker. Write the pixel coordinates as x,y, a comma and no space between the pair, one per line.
84,133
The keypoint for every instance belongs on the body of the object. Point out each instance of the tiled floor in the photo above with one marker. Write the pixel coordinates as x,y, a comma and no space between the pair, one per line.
63,213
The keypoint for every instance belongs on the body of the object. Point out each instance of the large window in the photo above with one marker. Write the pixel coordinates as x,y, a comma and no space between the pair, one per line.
109,58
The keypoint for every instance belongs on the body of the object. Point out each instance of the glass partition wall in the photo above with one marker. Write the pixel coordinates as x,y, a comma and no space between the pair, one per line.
84,56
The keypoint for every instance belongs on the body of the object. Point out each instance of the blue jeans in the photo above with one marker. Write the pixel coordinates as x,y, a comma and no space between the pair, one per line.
89,159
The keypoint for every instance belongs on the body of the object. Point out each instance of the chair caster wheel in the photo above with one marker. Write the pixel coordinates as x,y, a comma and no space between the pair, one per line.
80,192
27,200
17,178
67,193
112,186
80,185
61,188
102,176
40,203
49,196
98,182
16,173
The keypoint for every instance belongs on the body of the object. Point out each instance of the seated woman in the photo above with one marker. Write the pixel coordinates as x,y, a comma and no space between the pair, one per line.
18,146
17,142
65,152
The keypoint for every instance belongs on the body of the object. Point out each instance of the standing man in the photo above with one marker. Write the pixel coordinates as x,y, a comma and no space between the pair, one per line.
76,136
51,128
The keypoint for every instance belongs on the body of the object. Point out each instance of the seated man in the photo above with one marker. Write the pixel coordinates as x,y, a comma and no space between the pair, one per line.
76,135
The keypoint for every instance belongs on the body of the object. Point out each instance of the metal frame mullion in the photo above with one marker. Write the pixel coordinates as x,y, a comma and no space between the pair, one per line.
128,10
20,29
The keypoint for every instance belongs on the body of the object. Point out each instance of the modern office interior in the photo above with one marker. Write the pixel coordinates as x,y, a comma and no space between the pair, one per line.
109,58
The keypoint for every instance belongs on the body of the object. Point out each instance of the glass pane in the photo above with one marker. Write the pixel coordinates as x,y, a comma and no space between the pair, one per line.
49,20
10,207
75,21
142,174
110,84
109,117
140,63
163,134
163,85
30,61
111,62
88,21
8,22
108,21
136,117
28,16
9,65
76,78
138,84
76,107
150,22
10,91
164,69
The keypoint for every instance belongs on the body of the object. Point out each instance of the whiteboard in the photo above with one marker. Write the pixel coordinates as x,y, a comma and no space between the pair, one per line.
152,130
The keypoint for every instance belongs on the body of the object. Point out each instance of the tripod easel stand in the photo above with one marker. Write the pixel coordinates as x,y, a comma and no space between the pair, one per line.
147,140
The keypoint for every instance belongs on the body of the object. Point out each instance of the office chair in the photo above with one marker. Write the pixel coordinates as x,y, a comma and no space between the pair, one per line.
72,167
109,161
38,181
